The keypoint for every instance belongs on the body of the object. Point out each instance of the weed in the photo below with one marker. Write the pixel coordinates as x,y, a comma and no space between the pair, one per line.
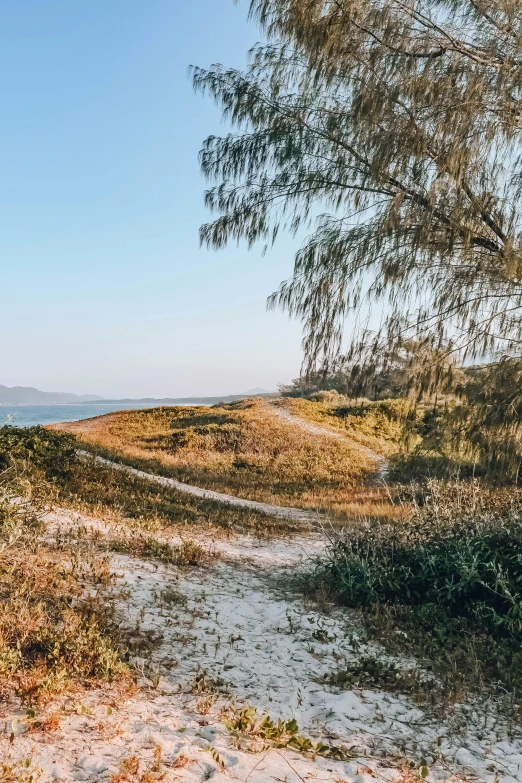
132,772
170,597
262,733
19,771
217,758
208,690
371,672
188,553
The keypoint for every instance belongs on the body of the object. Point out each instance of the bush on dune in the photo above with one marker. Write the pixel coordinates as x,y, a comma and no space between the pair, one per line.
450,575
54,628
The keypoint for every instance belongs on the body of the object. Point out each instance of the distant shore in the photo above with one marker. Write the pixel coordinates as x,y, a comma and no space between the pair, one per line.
149,400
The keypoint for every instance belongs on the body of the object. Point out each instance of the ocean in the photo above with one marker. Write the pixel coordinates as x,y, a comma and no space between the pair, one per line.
30,415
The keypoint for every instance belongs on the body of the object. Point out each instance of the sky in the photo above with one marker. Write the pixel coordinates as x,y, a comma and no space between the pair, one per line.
105,289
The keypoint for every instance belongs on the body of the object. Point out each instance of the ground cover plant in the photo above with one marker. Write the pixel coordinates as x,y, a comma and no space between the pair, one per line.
445,583
262,732
243,449
378,425
50,458
56,626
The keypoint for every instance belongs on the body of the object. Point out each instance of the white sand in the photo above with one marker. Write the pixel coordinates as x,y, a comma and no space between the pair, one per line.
240,624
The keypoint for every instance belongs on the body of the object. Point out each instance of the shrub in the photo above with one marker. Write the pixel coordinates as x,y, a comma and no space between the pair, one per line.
51,452
51,632
455,565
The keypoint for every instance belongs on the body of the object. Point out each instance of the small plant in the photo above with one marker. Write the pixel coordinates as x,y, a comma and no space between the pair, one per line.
132,771
170,597
371,672
188,553
262,732
208,690
217,758
19,771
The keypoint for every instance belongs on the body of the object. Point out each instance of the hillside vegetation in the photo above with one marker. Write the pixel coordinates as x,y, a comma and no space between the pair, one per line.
57,624
243,449
378,425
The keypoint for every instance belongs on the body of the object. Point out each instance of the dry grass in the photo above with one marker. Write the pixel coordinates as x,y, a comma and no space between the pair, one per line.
243,449
142,506
21,771
375,425
188,553
133,771
56,626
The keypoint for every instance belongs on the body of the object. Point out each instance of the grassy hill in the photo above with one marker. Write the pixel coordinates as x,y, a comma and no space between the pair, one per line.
242,448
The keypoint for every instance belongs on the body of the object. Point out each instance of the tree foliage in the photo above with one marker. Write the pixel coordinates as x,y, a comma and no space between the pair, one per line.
395,125
398,373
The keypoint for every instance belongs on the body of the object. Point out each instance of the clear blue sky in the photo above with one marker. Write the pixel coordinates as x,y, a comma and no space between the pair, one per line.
104,287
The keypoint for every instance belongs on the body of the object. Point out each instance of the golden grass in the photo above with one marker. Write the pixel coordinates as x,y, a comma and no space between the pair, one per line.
376,425
141,506
242,449
55,623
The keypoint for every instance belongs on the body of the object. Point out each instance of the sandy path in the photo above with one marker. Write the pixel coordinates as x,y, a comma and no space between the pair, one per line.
295,514
237,621
381,462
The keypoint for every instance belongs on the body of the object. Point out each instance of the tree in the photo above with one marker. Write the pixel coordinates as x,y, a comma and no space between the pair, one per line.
398,373
400,122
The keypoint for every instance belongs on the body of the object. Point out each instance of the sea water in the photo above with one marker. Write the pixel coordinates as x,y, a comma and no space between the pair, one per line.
30,415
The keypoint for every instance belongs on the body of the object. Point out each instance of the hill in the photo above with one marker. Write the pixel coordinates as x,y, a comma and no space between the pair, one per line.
242,448
188,400
27,395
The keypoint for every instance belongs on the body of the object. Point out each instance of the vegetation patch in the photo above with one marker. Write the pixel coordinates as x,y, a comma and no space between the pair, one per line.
188,553
49,457
445,583
261,732
56,627
243,449
371,673
19,771
208,690
133,771
379,425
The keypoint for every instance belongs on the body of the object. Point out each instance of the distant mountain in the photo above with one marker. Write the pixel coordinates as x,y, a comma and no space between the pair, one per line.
259,390
185,400
26,395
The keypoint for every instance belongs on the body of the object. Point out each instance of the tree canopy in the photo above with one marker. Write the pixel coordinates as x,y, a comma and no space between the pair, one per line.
391,129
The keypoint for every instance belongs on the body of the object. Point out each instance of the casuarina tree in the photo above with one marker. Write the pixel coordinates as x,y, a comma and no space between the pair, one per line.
391,129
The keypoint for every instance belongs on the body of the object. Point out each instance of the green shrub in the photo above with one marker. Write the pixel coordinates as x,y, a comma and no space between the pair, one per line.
453,570
35,447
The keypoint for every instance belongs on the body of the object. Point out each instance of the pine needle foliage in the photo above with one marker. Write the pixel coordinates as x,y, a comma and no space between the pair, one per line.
398,123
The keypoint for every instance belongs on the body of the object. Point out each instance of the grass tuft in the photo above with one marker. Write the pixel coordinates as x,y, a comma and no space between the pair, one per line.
188,553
